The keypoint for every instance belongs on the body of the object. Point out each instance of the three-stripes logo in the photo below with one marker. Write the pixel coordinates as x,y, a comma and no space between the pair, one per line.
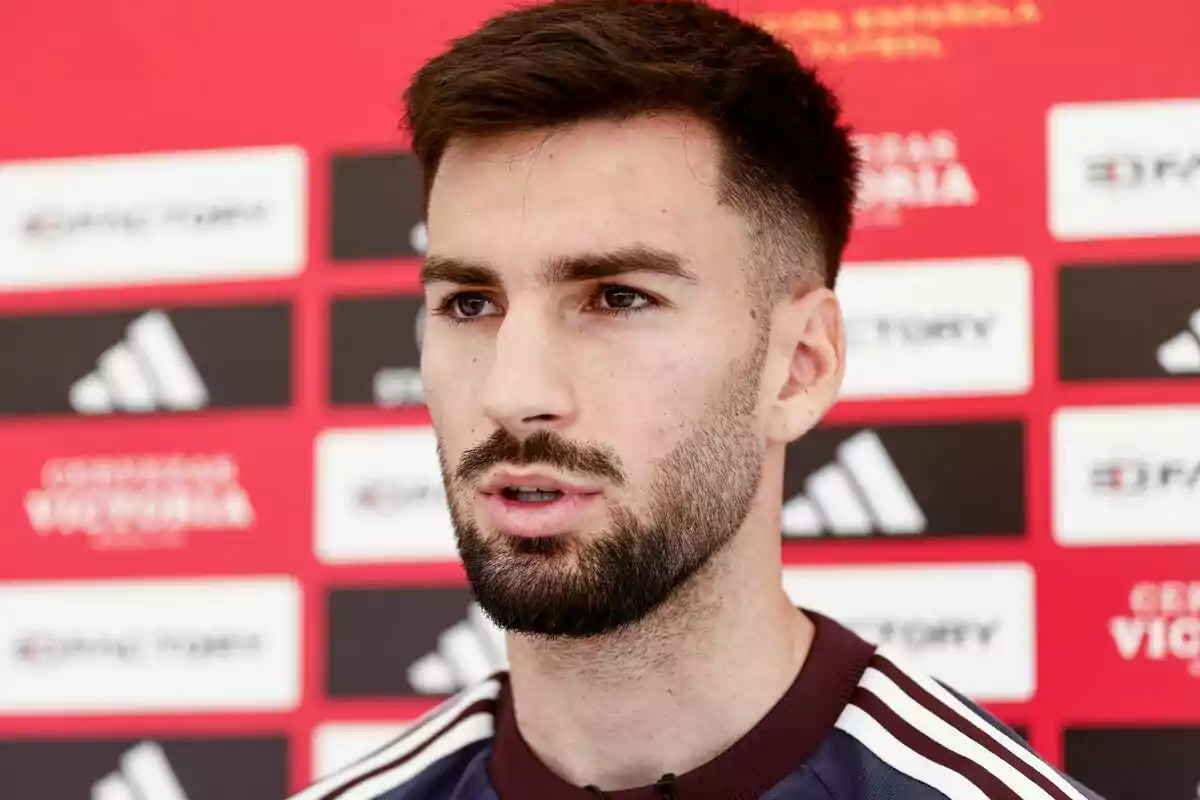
150,767
1104,337
150,370
860,493
467,652
176,359
1180,355
145,774
906,481
442,642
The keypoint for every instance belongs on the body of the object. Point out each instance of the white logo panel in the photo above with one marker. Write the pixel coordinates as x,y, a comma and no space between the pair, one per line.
936,327
1127,475
380,497
150,646
1125,169
153,218
970,625
340,744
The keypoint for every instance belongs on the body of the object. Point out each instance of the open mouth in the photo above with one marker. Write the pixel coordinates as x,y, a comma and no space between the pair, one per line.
529,494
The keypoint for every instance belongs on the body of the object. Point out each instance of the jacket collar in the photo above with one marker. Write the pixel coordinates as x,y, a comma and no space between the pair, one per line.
782,740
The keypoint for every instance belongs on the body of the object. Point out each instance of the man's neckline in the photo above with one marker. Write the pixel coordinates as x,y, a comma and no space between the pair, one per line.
784,739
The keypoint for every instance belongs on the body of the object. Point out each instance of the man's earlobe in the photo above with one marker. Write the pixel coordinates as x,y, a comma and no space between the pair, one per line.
812,343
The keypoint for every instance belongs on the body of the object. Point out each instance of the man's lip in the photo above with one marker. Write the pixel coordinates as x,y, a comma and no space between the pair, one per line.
535,478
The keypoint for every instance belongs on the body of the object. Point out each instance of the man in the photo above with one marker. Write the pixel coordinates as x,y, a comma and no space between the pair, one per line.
636,213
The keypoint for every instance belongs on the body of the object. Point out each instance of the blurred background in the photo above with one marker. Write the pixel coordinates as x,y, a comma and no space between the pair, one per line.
224,551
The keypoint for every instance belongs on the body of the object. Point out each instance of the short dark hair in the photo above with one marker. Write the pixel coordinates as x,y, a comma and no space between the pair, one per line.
787,164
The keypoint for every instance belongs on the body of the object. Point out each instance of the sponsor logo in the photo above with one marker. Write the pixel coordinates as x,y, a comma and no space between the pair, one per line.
1126,475
896,31
1180,355
861,493
145,772
919,480
380,497
1136,171
1162,624
1103,337
172,360
904,172
447,643
153,218
376,350
377,207
158,768
1144,761
140,646
1124,169
973,335
984,647
139,501
340,744
924,635
149,370
467,652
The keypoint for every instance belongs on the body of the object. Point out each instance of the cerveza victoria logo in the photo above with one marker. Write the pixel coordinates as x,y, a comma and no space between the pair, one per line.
1136,761
376,208
906,481
1162,624
153,768
909,171
139,501
433,641
375,346
1103,336
147,360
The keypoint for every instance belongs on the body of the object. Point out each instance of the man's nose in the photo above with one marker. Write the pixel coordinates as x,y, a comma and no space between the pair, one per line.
528,387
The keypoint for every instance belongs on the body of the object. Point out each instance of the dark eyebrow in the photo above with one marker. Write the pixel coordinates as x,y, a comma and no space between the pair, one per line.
636,258
441,269
563,269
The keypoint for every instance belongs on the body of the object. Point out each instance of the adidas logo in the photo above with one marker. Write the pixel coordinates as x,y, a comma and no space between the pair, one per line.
149,370
861,493
467,653
145,774
1180,355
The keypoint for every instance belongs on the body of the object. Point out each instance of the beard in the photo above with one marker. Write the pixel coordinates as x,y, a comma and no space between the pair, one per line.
568,586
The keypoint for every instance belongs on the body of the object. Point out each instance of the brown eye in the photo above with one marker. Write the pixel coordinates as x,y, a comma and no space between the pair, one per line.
466,306
622,298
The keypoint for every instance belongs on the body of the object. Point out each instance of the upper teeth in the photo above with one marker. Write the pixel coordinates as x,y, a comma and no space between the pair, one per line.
530,489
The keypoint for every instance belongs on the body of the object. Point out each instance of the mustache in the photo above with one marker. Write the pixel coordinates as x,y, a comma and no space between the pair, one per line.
543,447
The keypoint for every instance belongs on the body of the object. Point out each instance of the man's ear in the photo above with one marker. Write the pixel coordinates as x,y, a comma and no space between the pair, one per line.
807,353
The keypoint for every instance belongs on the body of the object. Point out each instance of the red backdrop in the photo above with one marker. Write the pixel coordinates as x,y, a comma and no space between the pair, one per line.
83,79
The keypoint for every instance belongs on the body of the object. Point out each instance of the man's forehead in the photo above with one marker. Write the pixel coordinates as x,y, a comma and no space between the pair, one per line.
667,159
585,192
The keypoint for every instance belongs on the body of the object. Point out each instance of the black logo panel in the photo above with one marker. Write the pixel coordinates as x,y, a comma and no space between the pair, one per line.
377,207
375,346
1135,763
1129,322
377,635
151,360
199,769
906,481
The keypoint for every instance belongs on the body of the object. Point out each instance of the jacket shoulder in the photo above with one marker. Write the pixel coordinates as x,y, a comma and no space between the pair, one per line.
456,727
918,729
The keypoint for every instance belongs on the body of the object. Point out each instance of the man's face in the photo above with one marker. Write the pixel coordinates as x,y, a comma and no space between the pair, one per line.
592,368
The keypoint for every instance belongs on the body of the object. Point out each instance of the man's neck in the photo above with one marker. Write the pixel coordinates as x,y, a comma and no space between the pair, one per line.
670,694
